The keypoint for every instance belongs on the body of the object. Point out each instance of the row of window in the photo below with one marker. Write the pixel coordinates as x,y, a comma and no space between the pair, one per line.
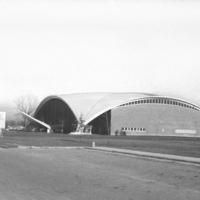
160,101
133,129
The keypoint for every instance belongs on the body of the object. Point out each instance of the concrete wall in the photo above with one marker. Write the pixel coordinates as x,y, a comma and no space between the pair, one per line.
158,119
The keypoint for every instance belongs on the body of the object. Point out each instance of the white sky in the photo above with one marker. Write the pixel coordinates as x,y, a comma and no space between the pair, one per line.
60,46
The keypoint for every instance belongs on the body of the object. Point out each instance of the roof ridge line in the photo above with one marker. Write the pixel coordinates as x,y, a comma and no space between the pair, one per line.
96,104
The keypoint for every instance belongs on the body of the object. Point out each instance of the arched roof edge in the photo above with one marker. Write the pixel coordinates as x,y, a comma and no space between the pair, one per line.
135,99
48,98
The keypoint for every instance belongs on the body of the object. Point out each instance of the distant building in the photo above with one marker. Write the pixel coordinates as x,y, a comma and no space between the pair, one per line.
120,113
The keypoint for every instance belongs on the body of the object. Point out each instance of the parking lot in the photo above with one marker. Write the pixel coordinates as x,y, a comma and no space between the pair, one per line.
85,174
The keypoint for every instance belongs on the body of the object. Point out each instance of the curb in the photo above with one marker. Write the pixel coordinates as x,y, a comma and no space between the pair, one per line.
148,155
140,154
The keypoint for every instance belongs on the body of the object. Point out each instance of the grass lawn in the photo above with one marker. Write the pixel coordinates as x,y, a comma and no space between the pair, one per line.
185,146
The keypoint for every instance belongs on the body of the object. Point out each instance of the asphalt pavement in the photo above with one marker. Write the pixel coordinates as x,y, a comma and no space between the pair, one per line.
74,174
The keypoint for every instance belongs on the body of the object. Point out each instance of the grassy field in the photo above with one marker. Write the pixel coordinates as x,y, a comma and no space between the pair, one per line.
185,146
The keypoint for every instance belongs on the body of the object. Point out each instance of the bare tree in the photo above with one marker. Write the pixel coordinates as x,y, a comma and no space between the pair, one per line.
26,104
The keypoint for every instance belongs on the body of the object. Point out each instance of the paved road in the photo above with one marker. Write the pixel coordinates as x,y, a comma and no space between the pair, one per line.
80,174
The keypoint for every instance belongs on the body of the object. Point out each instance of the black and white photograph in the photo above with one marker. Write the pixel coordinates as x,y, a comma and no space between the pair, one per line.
100,99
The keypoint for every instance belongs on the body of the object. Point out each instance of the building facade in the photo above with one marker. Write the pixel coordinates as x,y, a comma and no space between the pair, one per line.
120,113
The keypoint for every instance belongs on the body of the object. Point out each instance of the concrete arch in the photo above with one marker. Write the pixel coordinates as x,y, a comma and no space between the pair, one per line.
136,99
57,113
48,99
164,98
91,106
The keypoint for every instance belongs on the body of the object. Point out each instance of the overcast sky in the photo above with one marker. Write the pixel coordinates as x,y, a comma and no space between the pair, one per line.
60,46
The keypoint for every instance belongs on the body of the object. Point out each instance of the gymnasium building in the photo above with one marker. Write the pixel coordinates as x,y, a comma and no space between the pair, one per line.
120,113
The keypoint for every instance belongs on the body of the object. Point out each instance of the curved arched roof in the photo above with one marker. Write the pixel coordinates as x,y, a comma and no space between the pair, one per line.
91,105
